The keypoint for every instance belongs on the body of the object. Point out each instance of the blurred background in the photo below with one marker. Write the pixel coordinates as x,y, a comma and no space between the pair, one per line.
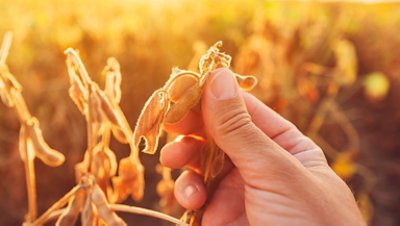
332,68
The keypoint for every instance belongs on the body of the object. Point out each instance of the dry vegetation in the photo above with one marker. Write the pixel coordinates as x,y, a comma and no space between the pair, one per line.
332,69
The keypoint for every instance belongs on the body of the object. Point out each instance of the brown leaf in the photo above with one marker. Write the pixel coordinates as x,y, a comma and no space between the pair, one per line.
183,105
246,82
150,119
130,179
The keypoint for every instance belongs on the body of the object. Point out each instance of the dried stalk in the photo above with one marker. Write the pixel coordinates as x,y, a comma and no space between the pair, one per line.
146,212
31,142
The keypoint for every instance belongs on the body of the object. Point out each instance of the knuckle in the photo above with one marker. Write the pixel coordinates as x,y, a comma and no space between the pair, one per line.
233,121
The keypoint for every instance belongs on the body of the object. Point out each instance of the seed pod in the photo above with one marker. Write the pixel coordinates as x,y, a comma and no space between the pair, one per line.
71,213
108,108
95,106
122,132
150,119
48,155
187,101
113,80
119,134
77,94
180,86
246,82
105,213
88,216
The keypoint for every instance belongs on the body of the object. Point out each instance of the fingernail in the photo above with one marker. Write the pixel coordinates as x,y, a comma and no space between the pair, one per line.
190,190
223,85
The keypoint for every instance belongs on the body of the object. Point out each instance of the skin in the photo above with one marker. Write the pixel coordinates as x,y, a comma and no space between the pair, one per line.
274,175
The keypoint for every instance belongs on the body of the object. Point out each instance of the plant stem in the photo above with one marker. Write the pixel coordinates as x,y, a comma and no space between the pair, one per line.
57,205
5,47
146,212
30,187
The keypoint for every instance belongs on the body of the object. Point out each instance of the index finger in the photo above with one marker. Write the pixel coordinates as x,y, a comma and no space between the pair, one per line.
192,123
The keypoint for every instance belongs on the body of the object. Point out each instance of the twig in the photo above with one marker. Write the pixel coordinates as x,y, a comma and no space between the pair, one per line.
5,47
146,212
29,166
57,205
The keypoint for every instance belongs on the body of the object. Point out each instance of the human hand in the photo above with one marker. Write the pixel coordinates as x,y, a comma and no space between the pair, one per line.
275,176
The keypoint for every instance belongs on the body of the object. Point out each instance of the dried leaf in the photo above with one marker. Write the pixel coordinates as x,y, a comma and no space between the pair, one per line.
346,65
183,105
105,213
246,82
130,179
150,119
48,155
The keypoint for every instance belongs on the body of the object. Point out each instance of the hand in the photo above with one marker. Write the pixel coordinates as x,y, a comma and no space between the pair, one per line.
275,176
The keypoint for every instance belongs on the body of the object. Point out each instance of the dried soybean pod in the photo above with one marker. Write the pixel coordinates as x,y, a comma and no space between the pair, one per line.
48,155
77,94
113,79
108,108
178,110
150,119
246,82
105,213
181,85
111,161
122,132
88,217
71,213
119,134
95,109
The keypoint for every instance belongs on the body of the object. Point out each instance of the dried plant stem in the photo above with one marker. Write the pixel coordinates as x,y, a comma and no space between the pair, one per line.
90,140
5,47
146,212
130,209
57,205
29,166
20,107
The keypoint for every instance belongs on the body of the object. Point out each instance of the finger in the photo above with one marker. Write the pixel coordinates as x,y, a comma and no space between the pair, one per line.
227,120
190,191
283,132
190,124
184,152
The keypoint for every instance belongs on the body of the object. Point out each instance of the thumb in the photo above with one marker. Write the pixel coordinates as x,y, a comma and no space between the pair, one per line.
228,122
